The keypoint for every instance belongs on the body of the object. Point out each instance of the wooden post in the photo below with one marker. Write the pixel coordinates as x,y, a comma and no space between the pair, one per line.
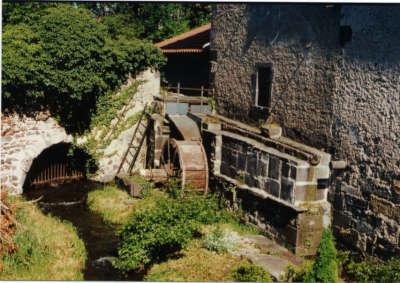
202,95
179,88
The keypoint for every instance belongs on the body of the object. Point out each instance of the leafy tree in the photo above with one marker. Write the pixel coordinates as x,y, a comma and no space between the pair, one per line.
22,65
63,59
153,21
17,13
325,268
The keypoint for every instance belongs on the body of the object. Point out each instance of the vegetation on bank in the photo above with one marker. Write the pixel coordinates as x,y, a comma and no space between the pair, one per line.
195,263
250,273
182,226
47,248
329,265
373,270
116,206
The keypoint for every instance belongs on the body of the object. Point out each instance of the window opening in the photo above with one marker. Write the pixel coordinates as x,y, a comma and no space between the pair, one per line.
263,86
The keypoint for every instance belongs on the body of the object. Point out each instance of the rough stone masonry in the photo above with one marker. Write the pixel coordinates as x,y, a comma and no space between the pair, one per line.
23,138
336,87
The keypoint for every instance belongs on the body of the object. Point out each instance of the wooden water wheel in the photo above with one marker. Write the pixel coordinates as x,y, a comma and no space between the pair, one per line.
186,161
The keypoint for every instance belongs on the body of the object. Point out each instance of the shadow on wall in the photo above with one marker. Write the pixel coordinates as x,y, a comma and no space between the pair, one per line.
299,24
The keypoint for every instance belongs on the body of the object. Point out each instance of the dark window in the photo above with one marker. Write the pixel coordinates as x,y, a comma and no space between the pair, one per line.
263,85
345,35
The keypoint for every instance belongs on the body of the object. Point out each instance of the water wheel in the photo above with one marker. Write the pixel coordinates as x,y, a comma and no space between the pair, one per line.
186,161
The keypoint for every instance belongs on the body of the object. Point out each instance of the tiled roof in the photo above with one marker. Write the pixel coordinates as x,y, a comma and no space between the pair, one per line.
184,35
182,50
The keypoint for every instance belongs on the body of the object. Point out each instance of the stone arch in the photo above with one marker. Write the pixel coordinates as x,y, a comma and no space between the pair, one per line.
23,139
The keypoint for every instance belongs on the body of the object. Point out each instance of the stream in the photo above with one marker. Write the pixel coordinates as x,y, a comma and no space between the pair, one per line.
68,202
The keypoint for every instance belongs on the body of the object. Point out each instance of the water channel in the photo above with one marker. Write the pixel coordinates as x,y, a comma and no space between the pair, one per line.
68,202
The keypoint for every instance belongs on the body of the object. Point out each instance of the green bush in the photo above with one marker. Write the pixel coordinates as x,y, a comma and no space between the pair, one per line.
63,59
250,273
375,271
325,267
154,233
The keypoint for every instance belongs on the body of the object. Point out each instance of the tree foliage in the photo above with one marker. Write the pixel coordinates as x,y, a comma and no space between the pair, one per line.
153,21
60,57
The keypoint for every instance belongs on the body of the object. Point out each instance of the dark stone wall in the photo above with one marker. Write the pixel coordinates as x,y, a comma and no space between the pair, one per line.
259,169
366,131
336,86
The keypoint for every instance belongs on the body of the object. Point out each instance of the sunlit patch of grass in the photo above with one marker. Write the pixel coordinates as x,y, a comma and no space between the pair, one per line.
113,204
48,248
195,264
116,206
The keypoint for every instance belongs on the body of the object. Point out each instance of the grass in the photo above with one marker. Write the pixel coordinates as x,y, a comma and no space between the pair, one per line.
192,263
113,204
195,264
48,248
116,206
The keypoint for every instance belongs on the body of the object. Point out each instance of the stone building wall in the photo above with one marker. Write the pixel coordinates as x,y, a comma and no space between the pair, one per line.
336,86
366,131
246,35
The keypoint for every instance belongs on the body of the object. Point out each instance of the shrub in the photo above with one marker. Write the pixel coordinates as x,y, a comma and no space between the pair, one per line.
325,268
375,271
250,273
219,240
167,227
297,273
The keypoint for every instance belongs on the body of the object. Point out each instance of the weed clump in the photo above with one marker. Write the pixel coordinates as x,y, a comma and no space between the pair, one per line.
250,273
375,271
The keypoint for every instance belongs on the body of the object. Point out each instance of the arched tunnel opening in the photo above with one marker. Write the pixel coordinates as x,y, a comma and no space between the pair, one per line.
57,164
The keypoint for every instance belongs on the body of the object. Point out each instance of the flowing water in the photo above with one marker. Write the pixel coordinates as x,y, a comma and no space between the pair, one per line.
68,202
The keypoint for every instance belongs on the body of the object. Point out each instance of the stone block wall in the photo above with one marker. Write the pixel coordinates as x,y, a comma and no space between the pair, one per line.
366,131
278,192
281,175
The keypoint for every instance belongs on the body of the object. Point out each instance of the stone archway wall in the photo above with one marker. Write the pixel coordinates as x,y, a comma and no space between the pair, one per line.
22,140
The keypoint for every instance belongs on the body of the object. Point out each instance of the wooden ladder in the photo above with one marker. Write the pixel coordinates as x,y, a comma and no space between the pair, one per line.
136,143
